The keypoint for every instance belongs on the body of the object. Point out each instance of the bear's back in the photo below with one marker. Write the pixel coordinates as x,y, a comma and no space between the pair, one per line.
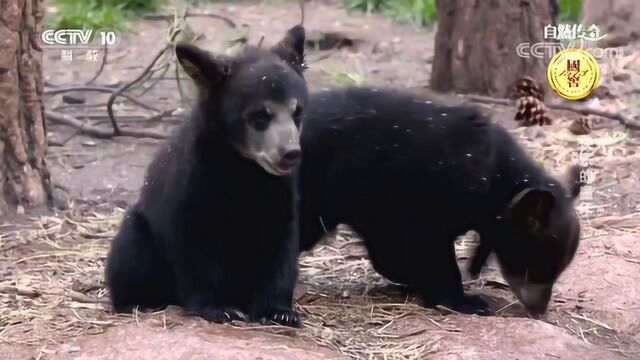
432,160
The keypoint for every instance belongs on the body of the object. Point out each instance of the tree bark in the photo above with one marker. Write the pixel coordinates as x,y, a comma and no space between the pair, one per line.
24,177
476,41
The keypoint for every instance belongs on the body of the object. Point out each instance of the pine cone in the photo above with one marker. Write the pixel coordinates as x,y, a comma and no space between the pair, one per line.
581,125
531,111
527,86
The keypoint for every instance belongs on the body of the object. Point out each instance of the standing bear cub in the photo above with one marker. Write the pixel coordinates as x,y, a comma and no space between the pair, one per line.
214,229
410,176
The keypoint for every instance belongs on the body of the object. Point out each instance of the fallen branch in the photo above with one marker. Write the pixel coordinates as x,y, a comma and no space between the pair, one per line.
320,57
624,120
102,133
22,291
75,133
190,14
489,100
82,298
32,293
105,90
73,106
164,116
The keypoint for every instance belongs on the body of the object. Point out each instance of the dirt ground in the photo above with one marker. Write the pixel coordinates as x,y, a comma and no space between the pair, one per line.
53,301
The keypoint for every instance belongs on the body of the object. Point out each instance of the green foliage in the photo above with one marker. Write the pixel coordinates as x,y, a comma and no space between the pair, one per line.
570,11
367,6
344,77
418,12
78,14
423,12
197,2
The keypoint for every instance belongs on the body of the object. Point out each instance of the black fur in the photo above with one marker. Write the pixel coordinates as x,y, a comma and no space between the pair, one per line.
410,176
212,231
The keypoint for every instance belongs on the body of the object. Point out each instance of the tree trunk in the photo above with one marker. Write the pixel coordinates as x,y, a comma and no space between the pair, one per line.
24,178
475,48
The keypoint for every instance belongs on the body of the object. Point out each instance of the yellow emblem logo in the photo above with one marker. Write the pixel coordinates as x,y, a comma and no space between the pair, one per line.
573,73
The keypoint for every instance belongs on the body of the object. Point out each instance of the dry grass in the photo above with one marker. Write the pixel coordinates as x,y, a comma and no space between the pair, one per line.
51,286
345,309
52,292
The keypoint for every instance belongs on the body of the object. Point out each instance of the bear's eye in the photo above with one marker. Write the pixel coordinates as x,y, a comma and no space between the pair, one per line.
259,119
297,112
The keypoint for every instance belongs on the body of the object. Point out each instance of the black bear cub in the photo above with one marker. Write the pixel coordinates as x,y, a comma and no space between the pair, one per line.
214,229
410,176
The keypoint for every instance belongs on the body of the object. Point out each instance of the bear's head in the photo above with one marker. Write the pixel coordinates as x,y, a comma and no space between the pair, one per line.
254,99
539,241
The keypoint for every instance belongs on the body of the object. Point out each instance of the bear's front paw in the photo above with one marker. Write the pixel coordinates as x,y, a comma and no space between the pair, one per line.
471,304
289,318
221,315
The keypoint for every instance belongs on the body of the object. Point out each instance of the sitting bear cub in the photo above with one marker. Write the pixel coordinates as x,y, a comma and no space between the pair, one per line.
214,229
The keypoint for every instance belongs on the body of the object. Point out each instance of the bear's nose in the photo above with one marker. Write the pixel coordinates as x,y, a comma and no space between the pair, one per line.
292,154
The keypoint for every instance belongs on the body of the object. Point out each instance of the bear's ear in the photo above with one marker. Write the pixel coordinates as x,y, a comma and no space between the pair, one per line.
291,48
204,68
532,208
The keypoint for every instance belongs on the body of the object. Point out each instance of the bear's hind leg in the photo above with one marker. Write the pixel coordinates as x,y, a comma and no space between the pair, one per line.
204,289
135,272
479,258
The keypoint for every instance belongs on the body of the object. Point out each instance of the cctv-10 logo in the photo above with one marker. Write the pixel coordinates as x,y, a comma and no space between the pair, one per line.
79,38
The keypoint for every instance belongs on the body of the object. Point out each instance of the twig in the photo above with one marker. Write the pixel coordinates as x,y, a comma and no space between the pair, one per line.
190,14
104,62
99,132
624,120
75,133
112,98
73,106
489,100
8,289
82,298
595,322
98,89
58,91
164,70
164,115
320,57
180,91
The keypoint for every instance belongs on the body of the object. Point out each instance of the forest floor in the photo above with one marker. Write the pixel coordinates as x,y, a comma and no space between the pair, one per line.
52,296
